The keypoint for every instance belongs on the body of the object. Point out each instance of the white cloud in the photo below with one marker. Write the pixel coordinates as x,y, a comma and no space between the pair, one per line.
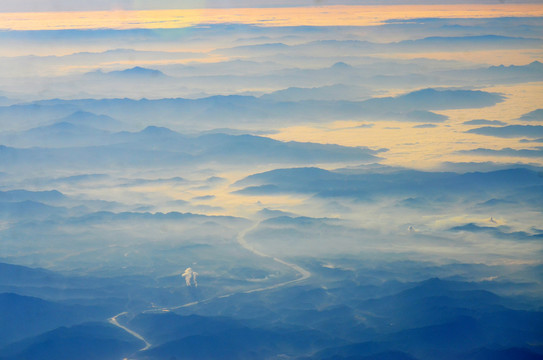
190,277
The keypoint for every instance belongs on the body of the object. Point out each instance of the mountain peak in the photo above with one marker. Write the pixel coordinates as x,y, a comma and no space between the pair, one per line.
101,122
135,72
157,131
341,65
139,71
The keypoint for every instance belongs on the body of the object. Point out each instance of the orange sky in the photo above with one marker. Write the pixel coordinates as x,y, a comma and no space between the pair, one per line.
326,15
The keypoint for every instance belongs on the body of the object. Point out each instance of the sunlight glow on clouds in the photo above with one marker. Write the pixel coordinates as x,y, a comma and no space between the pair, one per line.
310,16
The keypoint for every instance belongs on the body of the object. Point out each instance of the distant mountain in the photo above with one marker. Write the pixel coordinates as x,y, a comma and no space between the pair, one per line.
222,110
536,115
370,185
22,276
423,116
23,316
270,213
503,354
340,65
363,351
432,43
484,122
132,73
239,343
533,68
434,301
155,138
102,122
501,232
251,49
78,146
326,93
5,101
89,341
220,147
451,99
510,131
61,134
50,196
11,211
32,115
106,216
138,72
97,297
163,328
501,74
461,43
83,159
442,319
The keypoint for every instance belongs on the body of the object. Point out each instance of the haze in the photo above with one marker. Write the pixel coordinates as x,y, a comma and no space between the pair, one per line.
248,181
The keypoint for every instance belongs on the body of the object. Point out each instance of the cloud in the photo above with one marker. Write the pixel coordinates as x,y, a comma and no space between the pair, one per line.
194,276
190,277
510,131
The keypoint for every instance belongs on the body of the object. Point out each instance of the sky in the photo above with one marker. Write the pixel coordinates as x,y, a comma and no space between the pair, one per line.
67,5
299,16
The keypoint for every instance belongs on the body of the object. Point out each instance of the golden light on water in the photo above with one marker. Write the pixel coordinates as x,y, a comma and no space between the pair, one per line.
297,16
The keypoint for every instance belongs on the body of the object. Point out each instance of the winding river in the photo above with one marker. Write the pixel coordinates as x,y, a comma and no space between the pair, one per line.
303,275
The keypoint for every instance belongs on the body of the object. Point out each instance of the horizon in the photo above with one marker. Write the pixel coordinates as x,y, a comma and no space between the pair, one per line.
333,15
